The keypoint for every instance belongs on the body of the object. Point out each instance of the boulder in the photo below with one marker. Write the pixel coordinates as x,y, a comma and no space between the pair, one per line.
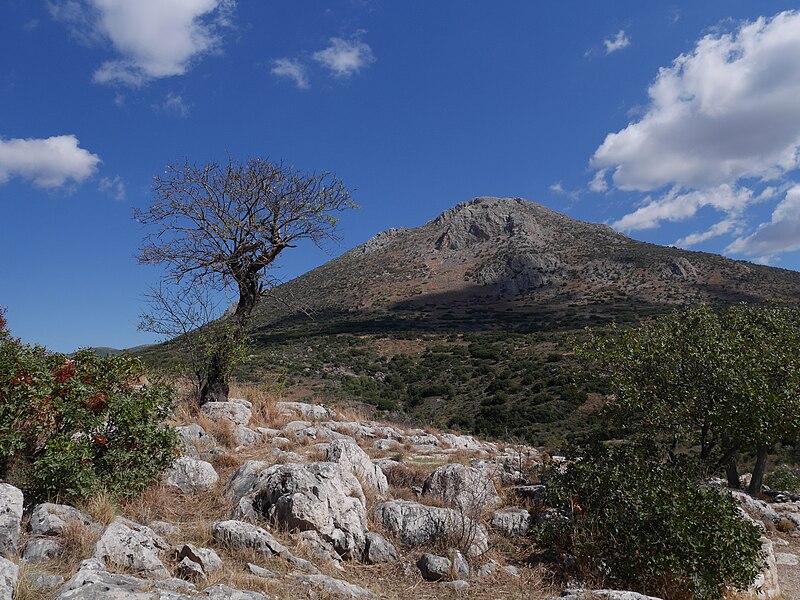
245,436
9,573
434,568
766,585
311,412
416,524
132,546
461,442
208,560
191,475
50,519
351,458
190,570
315,496
378,549
237,412
42,580
334,587
11,501
40,550
93,582
511,522
531,493
584,594
318,549
194,439
466,489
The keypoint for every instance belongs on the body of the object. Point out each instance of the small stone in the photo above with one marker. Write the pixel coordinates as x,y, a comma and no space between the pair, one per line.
434,568
378,549
190,570
237,412
209,561
261,571
50,519
191,475
459,585
787,559
511,522
165,528
42,580
487,569
511,571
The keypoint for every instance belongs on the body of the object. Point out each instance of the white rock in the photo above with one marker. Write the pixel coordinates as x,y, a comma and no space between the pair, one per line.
334,587
464,488
191,475
583,594
245,436
208,559
50,519
132,546
416,524
787,559
434,568
378,549
11,501
41,549
237,412
351,458
194,438
9,573
312,412
511,522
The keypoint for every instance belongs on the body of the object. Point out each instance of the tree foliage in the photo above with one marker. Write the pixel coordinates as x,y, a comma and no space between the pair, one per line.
628,520
72,426
722,381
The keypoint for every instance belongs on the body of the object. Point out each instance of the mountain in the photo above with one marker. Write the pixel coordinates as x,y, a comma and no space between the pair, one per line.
493,255
470,320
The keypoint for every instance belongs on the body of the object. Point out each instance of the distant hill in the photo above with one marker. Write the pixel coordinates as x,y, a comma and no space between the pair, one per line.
468,321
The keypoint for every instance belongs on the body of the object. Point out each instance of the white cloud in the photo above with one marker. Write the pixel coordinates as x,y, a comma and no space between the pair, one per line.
781,234
677,205
343,57
155,38
727,110
293,69
723,227
599,183
48,163
558,188
173,104
618,42
114,187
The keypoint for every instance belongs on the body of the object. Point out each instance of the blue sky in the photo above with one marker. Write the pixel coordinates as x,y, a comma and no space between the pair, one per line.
677,123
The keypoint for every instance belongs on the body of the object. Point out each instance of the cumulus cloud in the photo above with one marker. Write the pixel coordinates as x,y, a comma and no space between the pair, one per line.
677,205
727,110
48,163
293,69
599,183
780,234
723,227
154,38
617,42
344,58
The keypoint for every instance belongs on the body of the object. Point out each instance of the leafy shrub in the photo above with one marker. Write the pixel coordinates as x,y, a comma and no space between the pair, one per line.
72,426
784,479
634,523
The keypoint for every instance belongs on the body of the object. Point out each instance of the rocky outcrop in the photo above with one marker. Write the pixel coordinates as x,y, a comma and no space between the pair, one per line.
133,547
463,488
310,412
50,519
334,587
9,573
235,411
11,501
352,459
191,475
582,594
417,525
245,536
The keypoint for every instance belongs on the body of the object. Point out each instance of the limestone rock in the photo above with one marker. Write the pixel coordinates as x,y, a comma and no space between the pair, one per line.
511,522
9,573
334,587
434,568
416,524
350,457
191,475
261,571
93,582
464,488
194,439
582,594
378,549
224,592
209,561
314,496
237,412
240,535
132,546
245,436
190,570
41,549
311,412
11,500
50,519
165,528
43,581
320,550
767,581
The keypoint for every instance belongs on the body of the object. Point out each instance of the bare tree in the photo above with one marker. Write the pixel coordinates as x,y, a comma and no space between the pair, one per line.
222,227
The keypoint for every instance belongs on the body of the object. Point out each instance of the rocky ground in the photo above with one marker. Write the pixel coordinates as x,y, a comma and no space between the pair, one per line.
290,500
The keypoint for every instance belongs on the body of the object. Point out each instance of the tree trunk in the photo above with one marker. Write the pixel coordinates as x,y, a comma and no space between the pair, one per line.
732,472
249,295
215,388
758,471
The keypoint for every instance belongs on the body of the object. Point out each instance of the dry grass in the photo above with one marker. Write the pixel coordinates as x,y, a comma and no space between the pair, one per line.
77,543
26,590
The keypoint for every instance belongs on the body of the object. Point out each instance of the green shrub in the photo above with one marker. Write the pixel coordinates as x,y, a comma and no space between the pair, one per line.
72,426
631,522
784,479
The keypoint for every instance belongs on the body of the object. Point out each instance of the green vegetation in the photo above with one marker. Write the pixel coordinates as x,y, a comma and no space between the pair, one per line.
70,427
627,520
718,381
